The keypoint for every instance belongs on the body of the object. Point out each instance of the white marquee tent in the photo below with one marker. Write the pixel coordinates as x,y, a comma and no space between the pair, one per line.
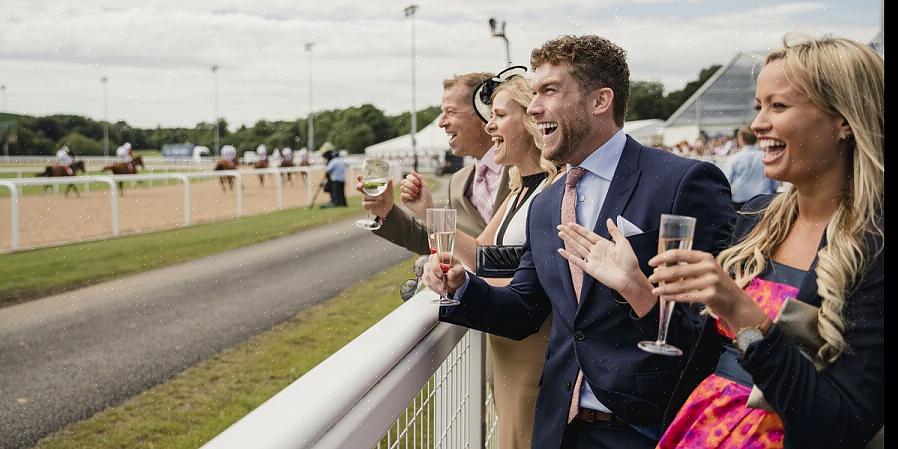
431,141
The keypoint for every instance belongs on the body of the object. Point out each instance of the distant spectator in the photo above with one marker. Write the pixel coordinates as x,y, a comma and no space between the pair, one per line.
336,175
745,170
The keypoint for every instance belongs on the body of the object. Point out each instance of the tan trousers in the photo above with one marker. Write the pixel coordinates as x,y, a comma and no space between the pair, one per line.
516,367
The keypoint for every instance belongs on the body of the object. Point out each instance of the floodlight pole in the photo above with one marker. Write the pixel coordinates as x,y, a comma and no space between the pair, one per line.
215,83
105,81
410,12
311,110
498,30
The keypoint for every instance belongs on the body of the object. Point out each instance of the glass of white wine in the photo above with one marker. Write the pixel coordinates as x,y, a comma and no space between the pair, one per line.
375,176
675,232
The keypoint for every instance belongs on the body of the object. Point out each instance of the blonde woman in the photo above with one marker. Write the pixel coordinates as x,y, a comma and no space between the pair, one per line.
820,125
516,365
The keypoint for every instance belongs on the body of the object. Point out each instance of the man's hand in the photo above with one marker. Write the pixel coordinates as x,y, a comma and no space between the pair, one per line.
415,195
444,283
377,205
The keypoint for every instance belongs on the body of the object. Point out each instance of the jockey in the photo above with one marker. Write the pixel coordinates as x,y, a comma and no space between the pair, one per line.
229,153
304,157
275,157
262,152
125,153
64,159
287,155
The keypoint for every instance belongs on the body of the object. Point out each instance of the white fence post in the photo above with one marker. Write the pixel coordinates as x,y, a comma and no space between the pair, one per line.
239,185
13,212
186,182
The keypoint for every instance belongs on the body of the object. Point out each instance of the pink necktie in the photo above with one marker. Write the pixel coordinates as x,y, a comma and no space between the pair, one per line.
482,193
569,215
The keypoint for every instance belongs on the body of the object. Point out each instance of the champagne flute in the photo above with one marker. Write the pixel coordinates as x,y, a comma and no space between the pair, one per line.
444,221
375,176
676,232
430,216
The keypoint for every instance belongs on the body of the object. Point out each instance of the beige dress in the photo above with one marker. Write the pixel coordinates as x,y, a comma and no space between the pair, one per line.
517,365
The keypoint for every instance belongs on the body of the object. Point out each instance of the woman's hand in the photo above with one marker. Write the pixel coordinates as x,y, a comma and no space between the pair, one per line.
695,277
613,263
438,281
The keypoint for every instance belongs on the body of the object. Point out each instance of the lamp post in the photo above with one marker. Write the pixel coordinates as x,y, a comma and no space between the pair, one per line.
215,84
311,137
105,81
498,30
410,12
4,135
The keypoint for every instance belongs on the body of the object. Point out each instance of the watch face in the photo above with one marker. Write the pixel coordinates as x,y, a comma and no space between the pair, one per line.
747,337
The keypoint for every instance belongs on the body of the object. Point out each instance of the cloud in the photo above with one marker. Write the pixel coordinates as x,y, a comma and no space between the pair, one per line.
158,54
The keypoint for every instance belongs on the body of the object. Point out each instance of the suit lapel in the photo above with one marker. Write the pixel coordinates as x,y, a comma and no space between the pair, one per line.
623,183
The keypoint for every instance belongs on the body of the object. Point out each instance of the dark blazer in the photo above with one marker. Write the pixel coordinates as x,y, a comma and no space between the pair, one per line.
401,227
838,407
600,335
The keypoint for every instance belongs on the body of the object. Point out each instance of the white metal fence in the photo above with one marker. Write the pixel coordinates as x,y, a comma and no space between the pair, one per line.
408,381
14,185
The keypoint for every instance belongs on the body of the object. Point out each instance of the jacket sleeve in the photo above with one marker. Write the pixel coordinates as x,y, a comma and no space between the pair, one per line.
842,405
403,229
515,311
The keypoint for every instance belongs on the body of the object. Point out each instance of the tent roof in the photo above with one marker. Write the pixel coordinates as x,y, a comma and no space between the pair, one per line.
430,140
725,99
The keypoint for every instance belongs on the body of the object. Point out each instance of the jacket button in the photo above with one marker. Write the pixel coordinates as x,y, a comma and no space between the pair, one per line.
567,386
579,336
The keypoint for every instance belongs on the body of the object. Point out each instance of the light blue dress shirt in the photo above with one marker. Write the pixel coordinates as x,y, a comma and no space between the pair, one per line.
336,169
745,172
600,166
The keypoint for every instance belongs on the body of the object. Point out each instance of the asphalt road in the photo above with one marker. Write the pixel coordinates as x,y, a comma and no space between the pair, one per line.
64,358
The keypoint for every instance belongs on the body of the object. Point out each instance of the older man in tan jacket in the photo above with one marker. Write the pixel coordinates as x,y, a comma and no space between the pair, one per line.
475,191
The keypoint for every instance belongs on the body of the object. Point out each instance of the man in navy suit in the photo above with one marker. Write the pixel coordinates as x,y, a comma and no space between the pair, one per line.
597,389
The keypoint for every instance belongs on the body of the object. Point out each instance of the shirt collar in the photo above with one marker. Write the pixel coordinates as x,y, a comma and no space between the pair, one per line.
489,159
603,161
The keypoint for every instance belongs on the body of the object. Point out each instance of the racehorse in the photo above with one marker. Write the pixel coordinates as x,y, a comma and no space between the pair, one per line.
227,182
261,164
59,170
286,163
125,168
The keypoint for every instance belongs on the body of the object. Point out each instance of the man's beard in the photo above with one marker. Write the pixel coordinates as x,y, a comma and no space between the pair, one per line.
574,128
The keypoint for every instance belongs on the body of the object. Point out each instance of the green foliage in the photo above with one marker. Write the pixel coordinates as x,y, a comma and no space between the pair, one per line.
81,145
647,99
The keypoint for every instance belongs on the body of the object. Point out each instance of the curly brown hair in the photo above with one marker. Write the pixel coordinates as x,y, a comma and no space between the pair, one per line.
595,62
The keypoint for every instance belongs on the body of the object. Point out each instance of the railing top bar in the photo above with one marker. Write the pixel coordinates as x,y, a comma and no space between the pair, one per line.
299,415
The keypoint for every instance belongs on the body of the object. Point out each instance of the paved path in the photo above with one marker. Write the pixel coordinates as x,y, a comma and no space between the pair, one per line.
65,357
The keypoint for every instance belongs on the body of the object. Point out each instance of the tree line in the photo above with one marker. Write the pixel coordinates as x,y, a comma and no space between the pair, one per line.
352,128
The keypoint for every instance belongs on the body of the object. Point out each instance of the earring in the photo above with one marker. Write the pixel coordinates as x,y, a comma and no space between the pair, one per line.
845,136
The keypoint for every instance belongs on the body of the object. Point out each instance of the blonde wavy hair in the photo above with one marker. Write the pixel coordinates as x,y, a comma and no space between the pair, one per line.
843,78
522,93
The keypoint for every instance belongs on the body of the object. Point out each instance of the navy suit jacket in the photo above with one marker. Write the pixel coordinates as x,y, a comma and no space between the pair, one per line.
600,333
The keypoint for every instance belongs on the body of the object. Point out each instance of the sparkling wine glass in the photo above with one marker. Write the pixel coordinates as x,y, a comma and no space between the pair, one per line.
375,176
443,242
676,232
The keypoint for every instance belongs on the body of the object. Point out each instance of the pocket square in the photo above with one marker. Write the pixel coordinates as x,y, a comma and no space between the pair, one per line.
627,228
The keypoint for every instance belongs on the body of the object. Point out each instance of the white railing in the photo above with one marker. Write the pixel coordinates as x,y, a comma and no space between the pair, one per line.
157,160
15,184
408,381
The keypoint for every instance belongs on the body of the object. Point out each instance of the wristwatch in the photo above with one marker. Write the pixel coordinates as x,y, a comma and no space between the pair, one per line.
749,335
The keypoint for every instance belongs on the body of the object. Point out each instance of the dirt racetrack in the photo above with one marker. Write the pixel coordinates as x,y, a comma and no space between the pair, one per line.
53,219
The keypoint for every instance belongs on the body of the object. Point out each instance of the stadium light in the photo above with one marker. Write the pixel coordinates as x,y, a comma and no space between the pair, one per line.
498,30
410,12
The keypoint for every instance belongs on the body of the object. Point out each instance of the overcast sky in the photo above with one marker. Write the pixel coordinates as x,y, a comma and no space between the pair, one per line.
157,54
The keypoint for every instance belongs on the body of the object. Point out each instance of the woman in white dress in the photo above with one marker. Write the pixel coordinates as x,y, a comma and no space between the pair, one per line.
516,365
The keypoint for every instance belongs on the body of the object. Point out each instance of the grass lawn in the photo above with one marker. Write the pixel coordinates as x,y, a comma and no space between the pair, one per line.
202,401
31,274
